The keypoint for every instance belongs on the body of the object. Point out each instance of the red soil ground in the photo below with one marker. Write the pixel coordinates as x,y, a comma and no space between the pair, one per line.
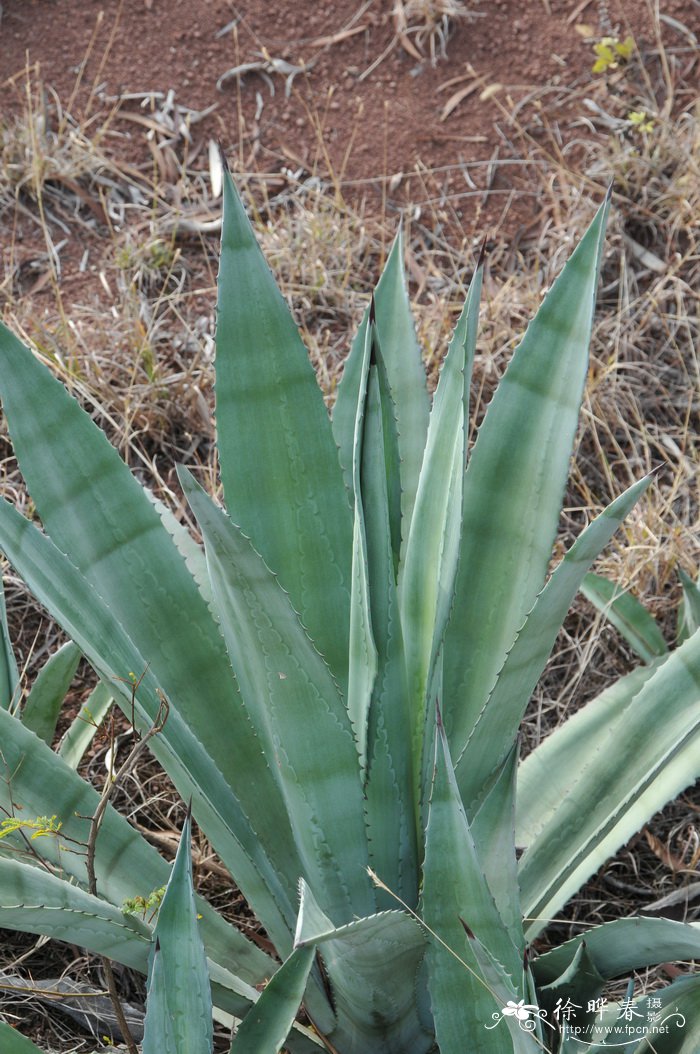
362,106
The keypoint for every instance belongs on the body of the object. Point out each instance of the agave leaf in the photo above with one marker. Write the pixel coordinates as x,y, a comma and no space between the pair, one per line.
34,901
9,676
11,1042
616,948
95,511
680,1013
300,1040
671,1024
43,704
496,727
81,732
689,609
266,1026
427,580
455,893
192,553
363,663
627,615
36,782
102,639
381,460
279,464
160,1037
561,755
521,1039
493,831
406,376
297,707
372,965
391,825
179,1007
654,742
579,982
514,486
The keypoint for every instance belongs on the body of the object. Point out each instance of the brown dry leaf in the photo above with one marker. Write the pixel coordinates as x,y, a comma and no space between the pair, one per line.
663,852
671,970
401,26
409,47
458,97
43,280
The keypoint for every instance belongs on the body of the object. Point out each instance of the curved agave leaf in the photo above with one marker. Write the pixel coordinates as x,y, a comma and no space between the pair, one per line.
36,782
372,964
562,753
190,761
654,743
43,704
179,1006
298,709
514,486
496,727
617,948
627,615
679,1011
96,512
667,1018
265,1027
580,982
279,464
33,900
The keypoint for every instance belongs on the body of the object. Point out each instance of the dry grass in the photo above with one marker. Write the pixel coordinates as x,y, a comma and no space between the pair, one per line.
428,23
133,339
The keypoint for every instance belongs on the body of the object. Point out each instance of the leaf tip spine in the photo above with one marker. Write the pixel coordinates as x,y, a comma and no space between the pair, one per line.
222,157
467,929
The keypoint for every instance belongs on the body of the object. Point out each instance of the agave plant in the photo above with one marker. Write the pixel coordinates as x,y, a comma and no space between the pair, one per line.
347,662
